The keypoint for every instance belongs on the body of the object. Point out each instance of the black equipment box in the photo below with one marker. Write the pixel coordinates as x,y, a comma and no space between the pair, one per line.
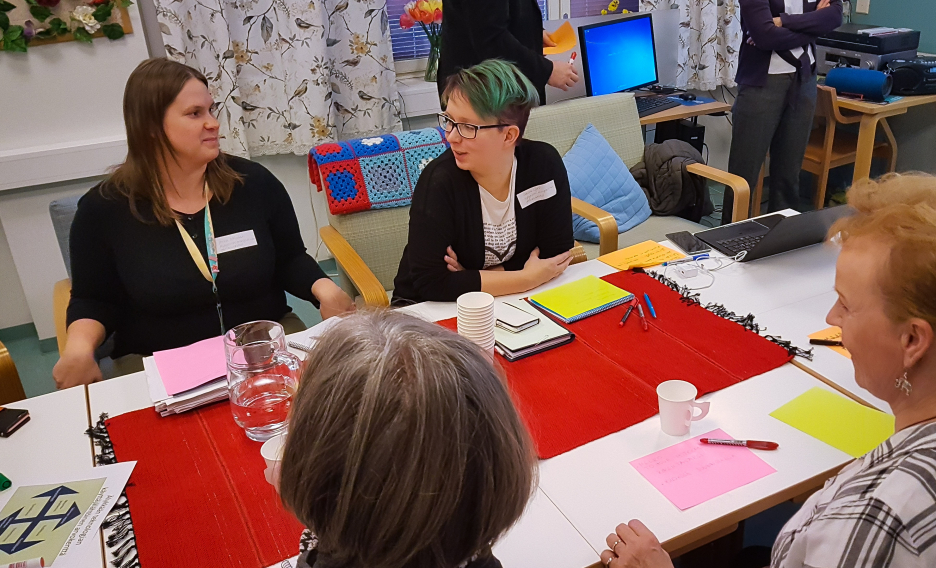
913,76
849,36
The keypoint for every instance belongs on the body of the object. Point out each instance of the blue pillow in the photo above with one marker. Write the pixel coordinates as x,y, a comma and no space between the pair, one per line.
597,175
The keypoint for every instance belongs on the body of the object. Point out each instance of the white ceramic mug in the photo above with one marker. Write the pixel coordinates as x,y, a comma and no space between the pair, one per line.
677,407
272,452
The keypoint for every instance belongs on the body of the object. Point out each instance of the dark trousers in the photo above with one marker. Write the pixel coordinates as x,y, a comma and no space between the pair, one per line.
771,118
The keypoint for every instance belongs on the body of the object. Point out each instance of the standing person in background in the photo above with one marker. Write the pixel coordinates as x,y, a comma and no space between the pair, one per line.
776,92
512,30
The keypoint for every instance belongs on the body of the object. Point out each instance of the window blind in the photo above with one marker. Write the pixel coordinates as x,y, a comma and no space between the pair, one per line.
583,8
412,43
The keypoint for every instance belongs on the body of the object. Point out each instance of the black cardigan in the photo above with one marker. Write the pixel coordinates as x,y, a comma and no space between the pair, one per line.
446,211
140,282
475,30
799,30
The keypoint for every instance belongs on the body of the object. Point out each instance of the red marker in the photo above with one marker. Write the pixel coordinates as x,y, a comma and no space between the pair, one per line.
572,59
640,313
753,444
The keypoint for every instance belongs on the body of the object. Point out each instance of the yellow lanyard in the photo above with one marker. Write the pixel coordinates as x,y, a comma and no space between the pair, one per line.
212,273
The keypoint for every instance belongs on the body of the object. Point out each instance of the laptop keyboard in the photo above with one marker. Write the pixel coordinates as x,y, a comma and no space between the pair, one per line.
651,105
739,244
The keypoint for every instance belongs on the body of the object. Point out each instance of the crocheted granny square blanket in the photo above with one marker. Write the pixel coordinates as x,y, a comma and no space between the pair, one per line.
377,172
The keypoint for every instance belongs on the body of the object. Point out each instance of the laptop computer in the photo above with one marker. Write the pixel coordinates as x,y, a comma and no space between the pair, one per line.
620,55
773,234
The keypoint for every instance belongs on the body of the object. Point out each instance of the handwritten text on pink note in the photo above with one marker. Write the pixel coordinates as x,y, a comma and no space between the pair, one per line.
191,366
690,472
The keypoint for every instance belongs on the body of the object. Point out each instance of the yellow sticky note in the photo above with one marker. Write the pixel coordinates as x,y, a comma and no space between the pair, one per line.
833,333
838,421
642,255
564,38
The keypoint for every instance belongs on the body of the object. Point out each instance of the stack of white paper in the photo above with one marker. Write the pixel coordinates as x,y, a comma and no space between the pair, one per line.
184,401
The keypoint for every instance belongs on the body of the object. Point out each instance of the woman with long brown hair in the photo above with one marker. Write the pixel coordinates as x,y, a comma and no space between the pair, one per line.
181,242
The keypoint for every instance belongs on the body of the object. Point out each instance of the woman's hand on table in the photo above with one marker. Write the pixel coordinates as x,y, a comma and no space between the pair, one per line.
542,270
333,301
632,545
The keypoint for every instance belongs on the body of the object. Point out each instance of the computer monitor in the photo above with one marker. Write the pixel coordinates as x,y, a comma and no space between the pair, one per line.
619,55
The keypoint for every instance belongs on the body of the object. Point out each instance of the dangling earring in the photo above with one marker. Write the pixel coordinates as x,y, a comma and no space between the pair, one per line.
903,384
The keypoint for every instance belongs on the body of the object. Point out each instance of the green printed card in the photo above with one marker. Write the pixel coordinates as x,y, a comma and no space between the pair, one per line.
836,420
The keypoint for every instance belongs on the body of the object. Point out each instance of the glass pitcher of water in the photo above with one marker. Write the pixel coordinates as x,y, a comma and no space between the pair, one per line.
262,377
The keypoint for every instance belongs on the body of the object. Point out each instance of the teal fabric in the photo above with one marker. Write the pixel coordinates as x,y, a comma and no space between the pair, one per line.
598,176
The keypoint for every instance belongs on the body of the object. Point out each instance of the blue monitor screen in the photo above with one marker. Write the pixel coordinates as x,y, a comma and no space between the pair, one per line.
619,56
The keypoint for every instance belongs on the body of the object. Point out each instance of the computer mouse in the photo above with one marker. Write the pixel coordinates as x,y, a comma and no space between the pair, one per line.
687,96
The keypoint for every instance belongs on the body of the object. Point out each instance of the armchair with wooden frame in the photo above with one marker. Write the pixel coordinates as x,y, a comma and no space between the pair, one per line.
830,147
11,387
368,245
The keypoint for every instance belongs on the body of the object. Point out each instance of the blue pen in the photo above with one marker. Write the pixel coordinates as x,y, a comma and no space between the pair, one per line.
650,305
702,256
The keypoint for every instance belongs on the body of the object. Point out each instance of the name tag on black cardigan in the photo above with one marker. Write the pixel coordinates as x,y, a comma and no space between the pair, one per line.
536,193
236,241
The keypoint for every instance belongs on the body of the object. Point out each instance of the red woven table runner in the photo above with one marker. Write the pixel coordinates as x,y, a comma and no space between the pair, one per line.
605,380
197,495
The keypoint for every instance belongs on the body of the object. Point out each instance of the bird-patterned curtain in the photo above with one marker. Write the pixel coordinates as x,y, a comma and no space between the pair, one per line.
709,40
287,75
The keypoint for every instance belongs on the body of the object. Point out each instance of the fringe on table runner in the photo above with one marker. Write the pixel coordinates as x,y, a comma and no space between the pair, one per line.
688,296
122,541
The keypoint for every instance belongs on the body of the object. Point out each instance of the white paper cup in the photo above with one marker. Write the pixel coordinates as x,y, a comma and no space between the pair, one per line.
677,407
272,453
475,301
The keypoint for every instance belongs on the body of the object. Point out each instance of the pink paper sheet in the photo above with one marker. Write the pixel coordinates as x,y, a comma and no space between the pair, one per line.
689,473
191,366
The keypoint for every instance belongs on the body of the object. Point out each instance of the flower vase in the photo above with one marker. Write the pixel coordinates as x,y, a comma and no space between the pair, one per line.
432,64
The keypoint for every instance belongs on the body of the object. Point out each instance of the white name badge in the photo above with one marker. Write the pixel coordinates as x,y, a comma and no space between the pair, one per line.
235,241
536,193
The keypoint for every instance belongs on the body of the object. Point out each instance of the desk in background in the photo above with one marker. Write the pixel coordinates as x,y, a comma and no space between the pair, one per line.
872,113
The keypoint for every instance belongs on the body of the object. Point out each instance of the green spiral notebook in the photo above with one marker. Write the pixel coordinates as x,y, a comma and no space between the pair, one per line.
580,299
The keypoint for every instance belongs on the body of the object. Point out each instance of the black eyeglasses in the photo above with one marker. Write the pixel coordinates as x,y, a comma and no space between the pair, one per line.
465,130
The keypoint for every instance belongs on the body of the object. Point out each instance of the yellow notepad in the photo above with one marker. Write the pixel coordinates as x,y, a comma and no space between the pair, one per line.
580,299
642,255
838,421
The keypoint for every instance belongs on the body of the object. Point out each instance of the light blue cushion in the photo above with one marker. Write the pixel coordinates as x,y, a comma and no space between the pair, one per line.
597,175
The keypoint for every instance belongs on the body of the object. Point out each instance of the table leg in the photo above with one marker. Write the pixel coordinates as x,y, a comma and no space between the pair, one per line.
865,150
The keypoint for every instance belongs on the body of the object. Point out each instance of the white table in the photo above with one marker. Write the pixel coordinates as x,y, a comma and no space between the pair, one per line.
596,487
542,536
53,440
792,308
584,493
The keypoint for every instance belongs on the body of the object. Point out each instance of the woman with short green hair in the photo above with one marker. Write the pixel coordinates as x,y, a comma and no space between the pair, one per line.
493,213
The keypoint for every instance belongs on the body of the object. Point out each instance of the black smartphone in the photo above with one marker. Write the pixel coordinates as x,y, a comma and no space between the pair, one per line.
688,243
12,420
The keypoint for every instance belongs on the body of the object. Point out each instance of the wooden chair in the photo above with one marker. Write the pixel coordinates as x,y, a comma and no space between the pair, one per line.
11,387
829,149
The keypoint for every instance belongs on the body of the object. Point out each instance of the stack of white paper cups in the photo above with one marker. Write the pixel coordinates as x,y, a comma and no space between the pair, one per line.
476,319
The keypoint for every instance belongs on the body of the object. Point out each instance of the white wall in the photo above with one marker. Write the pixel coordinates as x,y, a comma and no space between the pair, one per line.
13,308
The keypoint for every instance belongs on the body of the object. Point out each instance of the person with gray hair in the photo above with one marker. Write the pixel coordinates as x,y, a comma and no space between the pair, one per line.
404,449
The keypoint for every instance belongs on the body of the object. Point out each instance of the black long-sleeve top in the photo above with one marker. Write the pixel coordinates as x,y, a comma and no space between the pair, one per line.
446,211
799,30
139,280
476,30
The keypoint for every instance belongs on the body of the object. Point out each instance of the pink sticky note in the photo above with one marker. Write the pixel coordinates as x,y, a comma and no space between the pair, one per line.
690,472
188,367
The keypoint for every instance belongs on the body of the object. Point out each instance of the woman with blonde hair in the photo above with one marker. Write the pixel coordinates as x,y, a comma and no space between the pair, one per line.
404,449
880,510
181,242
